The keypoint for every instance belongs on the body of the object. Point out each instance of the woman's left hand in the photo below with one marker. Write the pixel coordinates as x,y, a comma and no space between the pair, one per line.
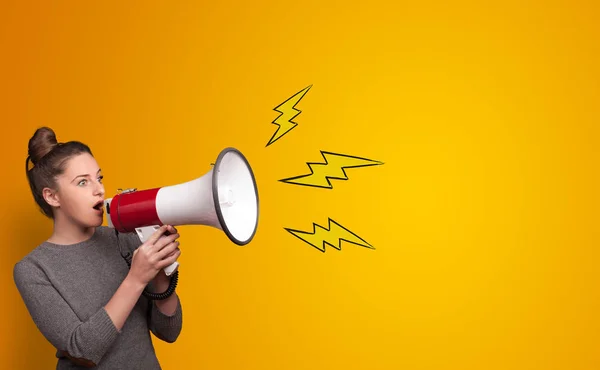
161,281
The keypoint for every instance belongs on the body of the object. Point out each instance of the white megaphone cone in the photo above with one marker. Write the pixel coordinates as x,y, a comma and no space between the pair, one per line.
225,198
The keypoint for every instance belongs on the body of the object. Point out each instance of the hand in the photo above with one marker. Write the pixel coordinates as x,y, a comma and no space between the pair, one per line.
158,252
161,281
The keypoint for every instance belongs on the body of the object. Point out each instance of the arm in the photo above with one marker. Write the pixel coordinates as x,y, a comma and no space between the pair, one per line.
160,284
85,342
166,317
122,302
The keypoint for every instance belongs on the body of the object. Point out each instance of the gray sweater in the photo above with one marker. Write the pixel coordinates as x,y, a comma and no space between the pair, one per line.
65,289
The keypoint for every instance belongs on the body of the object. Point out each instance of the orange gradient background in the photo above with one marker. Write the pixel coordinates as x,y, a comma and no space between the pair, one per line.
483,216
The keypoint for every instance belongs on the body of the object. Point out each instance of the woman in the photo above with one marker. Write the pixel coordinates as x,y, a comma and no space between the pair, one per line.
78,289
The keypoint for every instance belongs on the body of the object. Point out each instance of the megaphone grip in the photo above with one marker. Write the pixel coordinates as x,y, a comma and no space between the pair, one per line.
158,296
169,270
146,232
128,257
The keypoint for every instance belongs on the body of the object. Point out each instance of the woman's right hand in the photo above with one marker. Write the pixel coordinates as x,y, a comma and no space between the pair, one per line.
154,254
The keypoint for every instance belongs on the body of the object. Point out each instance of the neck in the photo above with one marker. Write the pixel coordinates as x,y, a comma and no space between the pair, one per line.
67,232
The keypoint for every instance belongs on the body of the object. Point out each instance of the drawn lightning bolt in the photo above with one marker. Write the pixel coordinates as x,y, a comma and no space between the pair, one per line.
333,235
288,113
334,167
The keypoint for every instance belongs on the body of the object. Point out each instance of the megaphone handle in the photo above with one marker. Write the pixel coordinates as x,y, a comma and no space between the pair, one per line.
169,270
144,233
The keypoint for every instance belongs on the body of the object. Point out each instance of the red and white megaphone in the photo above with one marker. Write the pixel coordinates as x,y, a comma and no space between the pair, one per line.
225,198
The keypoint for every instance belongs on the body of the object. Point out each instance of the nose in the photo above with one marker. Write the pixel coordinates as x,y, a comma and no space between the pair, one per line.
99,190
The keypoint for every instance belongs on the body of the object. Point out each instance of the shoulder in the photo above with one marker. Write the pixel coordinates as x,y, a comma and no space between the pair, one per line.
29,267
32,258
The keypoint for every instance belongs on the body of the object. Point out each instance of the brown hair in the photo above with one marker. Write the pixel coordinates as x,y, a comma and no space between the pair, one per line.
49,159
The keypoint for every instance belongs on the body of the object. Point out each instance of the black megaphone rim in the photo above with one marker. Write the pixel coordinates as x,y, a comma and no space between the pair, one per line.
215,190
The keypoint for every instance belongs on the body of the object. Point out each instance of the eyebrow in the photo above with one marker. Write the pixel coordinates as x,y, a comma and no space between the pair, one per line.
75,178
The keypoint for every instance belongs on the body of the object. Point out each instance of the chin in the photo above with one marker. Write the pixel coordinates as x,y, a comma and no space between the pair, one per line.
97,224
94,222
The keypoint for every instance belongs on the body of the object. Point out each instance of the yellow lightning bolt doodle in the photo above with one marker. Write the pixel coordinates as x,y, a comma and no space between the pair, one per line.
288,112
333,168
333,236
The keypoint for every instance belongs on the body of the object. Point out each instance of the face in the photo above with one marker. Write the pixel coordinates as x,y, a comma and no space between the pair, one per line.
80,192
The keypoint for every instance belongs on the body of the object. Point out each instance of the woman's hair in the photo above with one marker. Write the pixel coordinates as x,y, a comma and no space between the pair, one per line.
49,159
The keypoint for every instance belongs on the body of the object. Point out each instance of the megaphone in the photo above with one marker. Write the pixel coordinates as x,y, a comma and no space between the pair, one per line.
226,198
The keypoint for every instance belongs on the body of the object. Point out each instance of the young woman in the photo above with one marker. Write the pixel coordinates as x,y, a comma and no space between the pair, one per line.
76,285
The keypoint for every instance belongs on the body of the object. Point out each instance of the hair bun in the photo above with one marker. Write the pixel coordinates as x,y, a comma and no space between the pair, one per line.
41,143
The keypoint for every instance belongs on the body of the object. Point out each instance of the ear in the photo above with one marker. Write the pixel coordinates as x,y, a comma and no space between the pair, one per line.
51,197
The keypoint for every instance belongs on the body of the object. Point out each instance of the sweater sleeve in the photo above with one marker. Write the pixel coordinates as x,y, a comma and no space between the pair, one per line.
165,327
85,340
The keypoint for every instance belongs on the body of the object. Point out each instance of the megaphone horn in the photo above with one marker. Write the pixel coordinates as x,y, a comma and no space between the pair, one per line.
226,198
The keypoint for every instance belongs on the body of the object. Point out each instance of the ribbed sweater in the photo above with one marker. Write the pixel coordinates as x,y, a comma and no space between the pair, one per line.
65,289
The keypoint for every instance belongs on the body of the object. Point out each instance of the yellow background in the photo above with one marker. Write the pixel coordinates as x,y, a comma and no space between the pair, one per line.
484,216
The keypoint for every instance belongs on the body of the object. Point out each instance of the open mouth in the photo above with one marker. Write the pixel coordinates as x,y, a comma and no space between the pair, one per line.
99,205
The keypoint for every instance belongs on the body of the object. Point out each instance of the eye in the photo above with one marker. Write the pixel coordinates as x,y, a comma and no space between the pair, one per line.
100,179
81,182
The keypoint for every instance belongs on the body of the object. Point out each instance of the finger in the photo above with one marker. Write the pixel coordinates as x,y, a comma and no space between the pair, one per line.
169,260
168,234
156,235
167,250
170,230
173,253
176,249
164,241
